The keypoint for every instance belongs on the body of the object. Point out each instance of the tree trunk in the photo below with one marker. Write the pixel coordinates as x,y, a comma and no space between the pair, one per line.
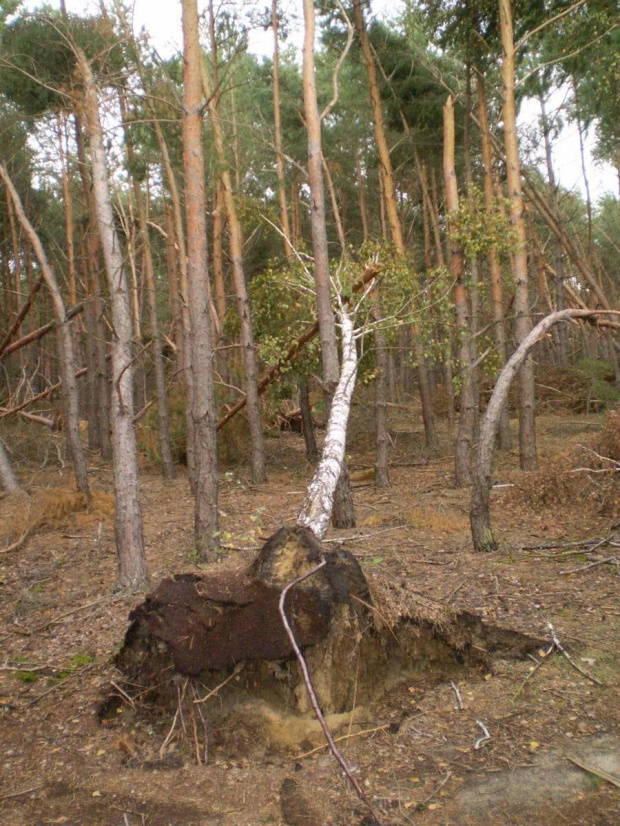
343,516
527,424
7,477
480,518
382,438
212,94
317,507
464,442
495,270
201,409
128,518
66,350
167,464
560,330
307,425
277,125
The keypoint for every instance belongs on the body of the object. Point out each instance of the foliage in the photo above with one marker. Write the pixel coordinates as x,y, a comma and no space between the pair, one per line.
38,58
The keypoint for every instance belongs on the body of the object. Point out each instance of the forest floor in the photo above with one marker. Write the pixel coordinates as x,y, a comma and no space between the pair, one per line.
61,623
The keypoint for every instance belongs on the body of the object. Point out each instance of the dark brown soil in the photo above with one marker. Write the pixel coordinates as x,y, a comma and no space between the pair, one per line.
413,749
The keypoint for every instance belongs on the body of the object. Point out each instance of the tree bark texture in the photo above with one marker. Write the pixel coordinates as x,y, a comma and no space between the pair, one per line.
467,415
201,408
495,269
307,425
527,424
344,514
128,514
317,507
66,347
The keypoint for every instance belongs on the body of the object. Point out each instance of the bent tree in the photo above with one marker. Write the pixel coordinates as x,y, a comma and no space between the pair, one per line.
479,514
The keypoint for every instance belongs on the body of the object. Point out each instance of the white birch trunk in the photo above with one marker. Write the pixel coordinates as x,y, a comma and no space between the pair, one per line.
316,510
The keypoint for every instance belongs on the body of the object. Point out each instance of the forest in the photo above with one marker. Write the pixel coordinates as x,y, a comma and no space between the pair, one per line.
310,413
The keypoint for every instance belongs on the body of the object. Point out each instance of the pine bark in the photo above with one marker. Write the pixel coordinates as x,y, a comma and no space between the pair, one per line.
128,518
277,125
464,441
201,407
527,424
495,270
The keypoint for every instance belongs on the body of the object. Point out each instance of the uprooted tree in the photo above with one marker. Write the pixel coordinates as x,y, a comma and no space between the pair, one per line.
295,632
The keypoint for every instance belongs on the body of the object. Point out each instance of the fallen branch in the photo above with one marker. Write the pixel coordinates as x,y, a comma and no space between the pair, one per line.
35,335
312,693
610,778
11,411
21,315
559,647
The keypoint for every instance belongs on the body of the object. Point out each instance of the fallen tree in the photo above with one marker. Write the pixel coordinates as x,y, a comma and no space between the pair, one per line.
297,631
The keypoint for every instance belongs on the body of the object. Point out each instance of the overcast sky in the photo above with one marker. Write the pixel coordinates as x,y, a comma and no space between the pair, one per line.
162,19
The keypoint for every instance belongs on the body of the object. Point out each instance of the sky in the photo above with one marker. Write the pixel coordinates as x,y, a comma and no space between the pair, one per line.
162,19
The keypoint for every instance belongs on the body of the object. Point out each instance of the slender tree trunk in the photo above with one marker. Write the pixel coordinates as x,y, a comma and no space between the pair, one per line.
307,425
321,493
99,437
343,515
277,122
361,194
173,283
335,208
7,477
218,253
201,410
128,519
167,464
464,442
560,303
527,425
495,270
382,437
480,518
212,95
66,350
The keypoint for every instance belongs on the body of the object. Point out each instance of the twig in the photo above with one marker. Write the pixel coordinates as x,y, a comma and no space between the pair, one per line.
238,668
486,736
60,684
123,693
610,778
459,699
533,671
69,613
162,748
312,693
344,737
607,559
437,790
557,644
19,542
20,793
